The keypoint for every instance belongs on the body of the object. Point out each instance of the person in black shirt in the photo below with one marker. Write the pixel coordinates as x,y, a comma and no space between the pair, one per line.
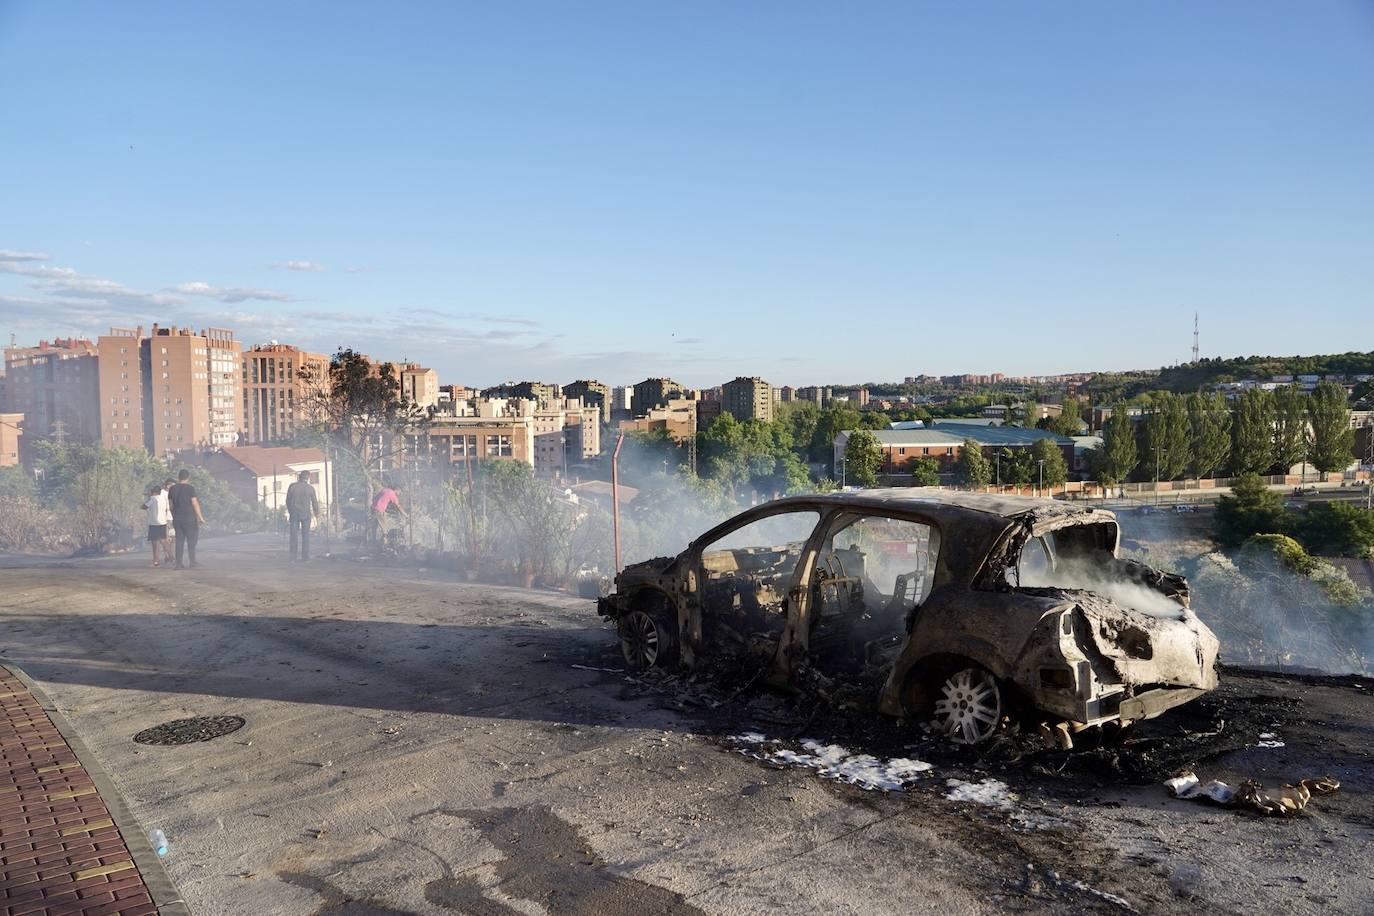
302,507
186,517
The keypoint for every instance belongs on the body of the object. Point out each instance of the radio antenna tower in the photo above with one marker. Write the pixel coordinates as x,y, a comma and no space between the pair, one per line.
1195,350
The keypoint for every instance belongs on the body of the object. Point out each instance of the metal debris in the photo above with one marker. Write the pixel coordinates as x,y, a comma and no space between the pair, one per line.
1284,800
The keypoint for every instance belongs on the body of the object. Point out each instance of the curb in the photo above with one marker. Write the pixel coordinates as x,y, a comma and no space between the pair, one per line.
160,887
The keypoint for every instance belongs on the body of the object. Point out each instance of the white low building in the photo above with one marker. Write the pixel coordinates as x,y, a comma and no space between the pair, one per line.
261,474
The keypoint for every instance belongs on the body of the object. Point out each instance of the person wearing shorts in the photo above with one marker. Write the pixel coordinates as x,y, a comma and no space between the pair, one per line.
158,515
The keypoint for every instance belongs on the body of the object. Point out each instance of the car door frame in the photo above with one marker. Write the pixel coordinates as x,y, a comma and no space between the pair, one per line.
690,612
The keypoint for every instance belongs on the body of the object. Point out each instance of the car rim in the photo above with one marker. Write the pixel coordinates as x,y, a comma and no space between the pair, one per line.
969,707
641,640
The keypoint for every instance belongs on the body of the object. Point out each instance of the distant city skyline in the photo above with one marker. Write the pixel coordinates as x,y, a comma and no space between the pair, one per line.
806,194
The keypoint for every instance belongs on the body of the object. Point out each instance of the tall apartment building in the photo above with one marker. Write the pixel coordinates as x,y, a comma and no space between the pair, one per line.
226,386
593,394
748,399
653,392
622,403
419,385
279,384
818,395
122,421
55,385
170,390
565,432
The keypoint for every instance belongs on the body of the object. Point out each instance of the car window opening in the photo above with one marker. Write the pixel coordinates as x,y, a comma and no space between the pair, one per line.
1073,559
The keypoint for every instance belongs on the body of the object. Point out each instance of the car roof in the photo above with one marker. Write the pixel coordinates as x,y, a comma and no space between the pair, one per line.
950,504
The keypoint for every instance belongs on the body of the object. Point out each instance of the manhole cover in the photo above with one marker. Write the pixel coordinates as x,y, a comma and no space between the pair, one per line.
189,731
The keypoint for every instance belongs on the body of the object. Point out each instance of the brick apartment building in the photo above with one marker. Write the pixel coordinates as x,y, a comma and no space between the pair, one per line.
55,385
279,384
747,399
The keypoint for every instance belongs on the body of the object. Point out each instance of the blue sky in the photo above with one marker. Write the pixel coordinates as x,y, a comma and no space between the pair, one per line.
811,192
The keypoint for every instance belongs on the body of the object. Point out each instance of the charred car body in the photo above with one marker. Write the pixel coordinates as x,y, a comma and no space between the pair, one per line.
963,606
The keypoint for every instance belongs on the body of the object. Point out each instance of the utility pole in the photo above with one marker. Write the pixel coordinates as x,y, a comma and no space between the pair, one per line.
1041,462
1195,347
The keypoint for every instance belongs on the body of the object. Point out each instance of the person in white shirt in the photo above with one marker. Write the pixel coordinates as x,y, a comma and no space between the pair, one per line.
159,513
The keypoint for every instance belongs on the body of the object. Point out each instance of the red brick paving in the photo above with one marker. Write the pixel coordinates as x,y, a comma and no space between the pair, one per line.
60,851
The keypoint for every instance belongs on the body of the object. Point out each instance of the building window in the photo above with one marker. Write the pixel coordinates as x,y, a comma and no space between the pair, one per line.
499,447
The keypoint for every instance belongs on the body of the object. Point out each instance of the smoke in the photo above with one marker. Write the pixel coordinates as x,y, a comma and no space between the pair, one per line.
1263,612
1090,576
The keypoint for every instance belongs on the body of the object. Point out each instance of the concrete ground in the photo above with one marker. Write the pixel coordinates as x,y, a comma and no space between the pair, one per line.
419,745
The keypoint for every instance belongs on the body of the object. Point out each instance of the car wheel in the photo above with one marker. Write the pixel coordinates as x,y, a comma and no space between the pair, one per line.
647,640
968,706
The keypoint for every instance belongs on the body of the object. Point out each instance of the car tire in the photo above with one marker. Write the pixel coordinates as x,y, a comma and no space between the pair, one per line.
968,705
648,639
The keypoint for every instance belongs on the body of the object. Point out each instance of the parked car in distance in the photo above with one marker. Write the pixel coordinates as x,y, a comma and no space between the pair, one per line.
965,608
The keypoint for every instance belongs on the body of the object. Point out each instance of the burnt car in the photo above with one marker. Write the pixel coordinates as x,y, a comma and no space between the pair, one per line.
960,608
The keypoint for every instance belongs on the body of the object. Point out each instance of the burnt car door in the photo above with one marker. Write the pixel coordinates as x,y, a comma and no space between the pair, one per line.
872,574
742,580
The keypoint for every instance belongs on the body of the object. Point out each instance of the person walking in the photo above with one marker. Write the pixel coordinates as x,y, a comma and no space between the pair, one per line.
158,514
186,516
302,508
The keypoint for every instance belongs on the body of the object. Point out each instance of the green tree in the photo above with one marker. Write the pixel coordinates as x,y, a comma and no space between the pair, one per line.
1210,422
1290,427
1055,470
1252,446
925,472
1067,423
830,422
16,483
972,469
1333,440
863,458
1166,436
1251,509
365,414
1336,529
1119,456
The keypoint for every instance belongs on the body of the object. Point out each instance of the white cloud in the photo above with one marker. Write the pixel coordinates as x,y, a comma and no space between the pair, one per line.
298,265
8,255
231,293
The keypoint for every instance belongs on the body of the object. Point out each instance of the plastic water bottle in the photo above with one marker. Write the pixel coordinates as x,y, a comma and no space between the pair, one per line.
159,841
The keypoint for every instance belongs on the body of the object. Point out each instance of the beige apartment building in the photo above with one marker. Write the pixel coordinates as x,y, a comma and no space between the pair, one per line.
280,383
170,390
481,438
419,385
678,418
55,385
120,399
593,394
11,431
747,399
565,432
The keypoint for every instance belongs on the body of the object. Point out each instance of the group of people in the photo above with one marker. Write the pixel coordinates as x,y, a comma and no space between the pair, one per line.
174,513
